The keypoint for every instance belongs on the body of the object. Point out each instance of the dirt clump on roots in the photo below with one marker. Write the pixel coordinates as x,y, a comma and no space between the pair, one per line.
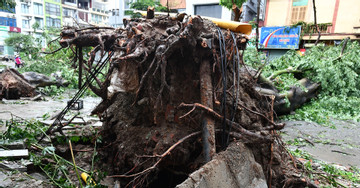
176,93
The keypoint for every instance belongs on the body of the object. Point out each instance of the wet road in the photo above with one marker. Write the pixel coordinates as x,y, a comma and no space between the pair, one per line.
339,143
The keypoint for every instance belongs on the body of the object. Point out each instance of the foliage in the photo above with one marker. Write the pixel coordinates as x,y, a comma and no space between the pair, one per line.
144,4
325,174
57,168
52,63
7,4
41,63
310,28
229,3
19,131
23,43
340,89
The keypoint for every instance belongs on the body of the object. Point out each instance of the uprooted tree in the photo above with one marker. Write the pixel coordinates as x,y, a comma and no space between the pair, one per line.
170,80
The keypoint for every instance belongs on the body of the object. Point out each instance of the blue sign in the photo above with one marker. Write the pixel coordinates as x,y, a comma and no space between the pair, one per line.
279,37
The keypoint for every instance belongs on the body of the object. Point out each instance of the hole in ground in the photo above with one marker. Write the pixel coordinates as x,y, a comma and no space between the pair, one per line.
168,178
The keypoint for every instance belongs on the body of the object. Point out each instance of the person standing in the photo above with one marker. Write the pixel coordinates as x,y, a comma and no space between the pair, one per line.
17,61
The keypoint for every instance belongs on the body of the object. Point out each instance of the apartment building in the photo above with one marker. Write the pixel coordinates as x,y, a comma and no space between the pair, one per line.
8,25
85,12
211,8
119,10
49,14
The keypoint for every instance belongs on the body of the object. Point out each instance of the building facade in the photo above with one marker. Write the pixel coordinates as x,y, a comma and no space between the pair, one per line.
342,17
210,8
178,5
249,12
49,14
119,10
85,12
8,24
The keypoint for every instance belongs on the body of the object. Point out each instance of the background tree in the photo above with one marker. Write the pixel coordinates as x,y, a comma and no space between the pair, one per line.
144,4
7,4
24,44
234,6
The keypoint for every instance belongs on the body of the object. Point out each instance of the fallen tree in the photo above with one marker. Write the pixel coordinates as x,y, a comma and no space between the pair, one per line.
169,81
13,85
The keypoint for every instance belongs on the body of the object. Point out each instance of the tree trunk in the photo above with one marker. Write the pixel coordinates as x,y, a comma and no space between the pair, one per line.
206,94
80,67
315,22
257,25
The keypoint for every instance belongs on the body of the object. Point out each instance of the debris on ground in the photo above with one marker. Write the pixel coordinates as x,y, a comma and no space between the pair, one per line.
169,81
179,109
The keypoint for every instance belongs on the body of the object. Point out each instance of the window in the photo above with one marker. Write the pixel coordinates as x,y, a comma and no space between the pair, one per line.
26,24
38,9
8,9
24,8
8,21
298,10
52,9
51,22
1,49
70,1
115,12
211,10
127,4
68,12
96,18
41,22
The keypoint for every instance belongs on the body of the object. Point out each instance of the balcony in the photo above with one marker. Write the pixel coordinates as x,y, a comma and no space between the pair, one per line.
84,4
83,7
69,2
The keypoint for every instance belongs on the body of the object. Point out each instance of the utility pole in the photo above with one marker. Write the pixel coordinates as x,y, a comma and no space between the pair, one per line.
257,25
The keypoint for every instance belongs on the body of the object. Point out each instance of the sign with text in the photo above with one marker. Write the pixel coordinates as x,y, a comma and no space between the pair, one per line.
4,28
15,29
279,37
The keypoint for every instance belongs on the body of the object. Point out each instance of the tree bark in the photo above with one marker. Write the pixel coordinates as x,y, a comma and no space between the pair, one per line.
257,25
80,66
208,123
315,22
237,11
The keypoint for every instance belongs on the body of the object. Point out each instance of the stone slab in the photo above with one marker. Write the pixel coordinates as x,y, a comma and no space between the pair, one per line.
14,153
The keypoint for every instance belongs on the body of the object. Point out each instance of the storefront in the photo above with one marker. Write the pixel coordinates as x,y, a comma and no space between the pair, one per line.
5,32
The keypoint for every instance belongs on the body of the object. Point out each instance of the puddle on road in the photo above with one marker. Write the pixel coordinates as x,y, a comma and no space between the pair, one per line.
27,109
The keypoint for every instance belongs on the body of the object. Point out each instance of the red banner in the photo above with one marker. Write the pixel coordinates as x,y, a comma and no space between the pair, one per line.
15,29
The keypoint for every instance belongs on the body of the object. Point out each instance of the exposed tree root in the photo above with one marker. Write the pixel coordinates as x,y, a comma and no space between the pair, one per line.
155,74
